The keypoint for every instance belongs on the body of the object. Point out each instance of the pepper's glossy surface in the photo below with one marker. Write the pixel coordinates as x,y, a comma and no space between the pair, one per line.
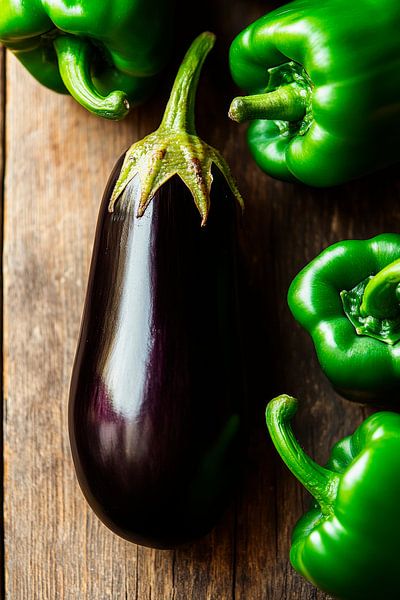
157,385
347,299
105,54
324,79
347,544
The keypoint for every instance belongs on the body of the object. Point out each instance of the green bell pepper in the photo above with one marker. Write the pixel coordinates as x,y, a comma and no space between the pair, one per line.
105,53
324,80
348,300
347,544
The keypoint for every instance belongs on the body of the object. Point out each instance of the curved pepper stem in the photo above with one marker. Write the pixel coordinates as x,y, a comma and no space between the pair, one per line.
320,482
74,63
381,298
287,103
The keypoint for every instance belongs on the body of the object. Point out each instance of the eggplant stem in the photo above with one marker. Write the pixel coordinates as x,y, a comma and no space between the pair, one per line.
175,148
179,114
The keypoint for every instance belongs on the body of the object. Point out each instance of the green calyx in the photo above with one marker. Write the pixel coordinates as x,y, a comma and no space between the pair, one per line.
175,148
287,98
319,481
373,306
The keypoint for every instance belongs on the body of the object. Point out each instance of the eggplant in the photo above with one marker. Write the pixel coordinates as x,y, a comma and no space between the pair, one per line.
157,385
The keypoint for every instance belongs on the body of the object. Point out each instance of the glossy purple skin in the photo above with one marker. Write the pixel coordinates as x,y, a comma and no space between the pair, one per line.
157,384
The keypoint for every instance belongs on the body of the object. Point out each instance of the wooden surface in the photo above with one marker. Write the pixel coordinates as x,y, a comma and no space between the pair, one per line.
57,159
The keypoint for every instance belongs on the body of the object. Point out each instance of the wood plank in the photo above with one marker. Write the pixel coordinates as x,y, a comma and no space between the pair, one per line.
2,131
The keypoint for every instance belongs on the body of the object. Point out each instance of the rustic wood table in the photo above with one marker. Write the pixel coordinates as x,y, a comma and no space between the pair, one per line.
55,159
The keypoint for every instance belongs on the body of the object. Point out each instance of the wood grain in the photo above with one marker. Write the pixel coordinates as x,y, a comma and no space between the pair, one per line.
58,158
2,140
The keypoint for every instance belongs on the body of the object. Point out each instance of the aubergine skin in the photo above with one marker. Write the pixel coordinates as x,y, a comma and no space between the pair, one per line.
157,386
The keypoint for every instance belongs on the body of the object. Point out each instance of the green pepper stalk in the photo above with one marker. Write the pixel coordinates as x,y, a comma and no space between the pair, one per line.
347,544
347,300
323,100
373,305
175,148
381,295
105,54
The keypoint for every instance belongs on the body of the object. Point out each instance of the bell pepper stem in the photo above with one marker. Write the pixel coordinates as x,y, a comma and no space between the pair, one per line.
179,113
73,55
287,103
381,298
319,481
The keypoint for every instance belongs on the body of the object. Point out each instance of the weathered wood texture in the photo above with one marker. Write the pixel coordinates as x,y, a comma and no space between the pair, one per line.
2,107
58,158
